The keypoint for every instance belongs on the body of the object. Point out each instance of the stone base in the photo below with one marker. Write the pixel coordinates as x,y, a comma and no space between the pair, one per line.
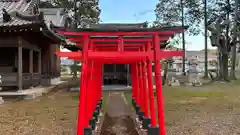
99,123
97,132
134,103
153,131
140,115
45,81
137,109
146,122
100,103
174,82
55,81
99,119
29,97
95,115
143,132
88,131
92,123
139,128
1,101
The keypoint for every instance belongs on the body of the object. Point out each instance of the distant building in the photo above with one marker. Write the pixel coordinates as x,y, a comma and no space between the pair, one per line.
200,55
57,16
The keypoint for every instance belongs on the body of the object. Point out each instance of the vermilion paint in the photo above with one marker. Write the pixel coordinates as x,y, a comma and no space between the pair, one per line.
138,55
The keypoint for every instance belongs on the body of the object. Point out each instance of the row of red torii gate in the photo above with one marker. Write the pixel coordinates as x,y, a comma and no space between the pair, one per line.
137,47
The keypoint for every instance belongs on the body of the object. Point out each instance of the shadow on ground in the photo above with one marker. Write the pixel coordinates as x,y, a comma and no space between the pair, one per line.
118,120
123,125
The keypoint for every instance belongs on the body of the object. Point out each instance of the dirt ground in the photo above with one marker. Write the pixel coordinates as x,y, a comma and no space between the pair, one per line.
52,114
55,114
207,110
118,120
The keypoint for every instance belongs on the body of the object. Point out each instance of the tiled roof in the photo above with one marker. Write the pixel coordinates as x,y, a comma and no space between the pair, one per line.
23,7
16,22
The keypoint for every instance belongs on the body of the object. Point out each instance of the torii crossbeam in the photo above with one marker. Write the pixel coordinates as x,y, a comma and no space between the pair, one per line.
137,47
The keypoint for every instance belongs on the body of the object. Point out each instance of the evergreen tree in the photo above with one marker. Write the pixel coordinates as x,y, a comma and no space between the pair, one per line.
169,12
83,12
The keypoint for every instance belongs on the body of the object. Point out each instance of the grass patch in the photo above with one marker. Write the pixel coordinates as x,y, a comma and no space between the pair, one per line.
128,96
105,99
201,110
54,113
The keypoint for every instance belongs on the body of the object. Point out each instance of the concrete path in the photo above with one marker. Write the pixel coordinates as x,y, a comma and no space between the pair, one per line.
118,120
107,88
117,105
31,92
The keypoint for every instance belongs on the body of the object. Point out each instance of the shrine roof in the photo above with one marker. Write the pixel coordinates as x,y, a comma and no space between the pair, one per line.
18,12
124,29
101,28
24,15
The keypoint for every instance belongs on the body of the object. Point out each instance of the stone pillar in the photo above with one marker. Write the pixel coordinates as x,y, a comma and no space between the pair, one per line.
20,68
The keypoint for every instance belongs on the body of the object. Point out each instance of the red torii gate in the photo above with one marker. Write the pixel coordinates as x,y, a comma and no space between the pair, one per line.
121,46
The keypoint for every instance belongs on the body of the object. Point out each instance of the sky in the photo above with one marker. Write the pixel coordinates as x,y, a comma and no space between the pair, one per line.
135,11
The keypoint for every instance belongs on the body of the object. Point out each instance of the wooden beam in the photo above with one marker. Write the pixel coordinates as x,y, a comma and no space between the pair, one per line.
28,45
40,62
31,62
8,42
78,55
128,74
20,67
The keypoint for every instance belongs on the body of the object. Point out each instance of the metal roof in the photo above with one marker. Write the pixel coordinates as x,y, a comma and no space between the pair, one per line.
119,25
126,29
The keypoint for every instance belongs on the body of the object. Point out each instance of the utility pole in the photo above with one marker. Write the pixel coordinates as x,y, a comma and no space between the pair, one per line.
205,39
235,38
75,25
75,14
183,40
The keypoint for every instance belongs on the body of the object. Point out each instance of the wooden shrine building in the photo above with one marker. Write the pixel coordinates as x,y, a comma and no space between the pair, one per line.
27,46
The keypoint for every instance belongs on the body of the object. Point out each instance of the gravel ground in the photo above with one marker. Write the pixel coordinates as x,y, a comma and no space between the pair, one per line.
193,121
52,114
55,114
208,110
